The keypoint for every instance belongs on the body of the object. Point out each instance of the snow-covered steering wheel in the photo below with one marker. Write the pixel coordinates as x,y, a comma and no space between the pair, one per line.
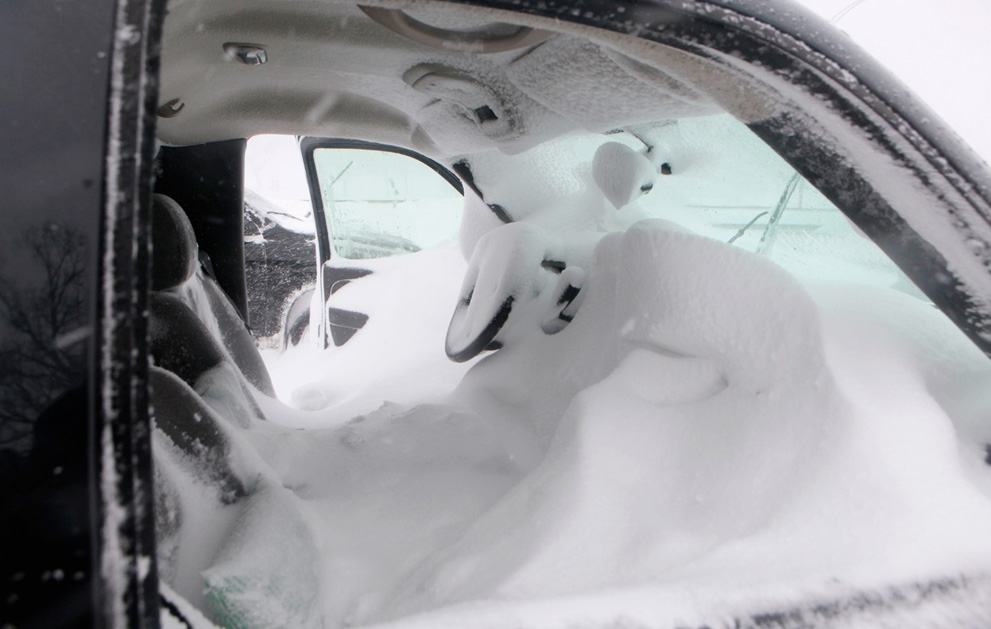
510,268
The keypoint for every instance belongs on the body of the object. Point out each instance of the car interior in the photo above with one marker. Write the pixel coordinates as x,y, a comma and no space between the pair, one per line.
519,115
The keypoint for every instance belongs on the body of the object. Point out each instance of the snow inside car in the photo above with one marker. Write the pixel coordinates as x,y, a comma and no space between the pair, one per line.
491,313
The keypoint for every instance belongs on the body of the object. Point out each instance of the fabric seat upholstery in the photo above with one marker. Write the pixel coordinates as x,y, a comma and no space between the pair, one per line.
189,309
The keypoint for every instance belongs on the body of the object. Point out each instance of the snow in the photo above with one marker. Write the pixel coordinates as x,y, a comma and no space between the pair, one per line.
570,75
275,183
505,265
398,356
709,436
709,455
274,168
715,434
622,173
248,588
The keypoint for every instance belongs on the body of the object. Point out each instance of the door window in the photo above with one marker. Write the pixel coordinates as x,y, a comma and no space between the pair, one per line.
378,203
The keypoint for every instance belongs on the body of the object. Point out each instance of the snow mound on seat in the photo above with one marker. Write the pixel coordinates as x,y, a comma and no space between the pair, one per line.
267,572
702,441
720,449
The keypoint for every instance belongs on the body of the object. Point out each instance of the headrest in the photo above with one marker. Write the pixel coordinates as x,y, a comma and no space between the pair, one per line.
174,251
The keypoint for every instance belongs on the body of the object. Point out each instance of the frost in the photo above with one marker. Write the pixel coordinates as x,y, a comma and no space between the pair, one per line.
112,563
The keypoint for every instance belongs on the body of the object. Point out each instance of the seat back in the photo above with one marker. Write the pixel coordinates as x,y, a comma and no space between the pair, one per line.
191,317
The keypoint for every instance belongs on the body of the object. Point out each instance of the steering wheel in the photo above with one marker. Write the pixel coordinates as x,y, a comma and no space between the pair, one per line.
510,267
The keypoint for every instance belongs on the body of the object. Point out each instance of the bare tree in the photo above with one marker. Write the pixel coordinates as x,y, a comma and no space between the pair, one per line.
42,302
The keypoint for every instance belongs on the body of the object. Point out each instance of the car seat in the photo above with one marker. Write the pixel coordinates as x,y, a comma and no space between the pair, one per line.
204,359
194,326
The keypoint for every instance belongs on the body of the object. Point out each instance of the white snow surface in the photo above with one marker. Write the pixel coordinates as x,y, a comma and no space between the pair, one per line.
712,436
709,437
397,357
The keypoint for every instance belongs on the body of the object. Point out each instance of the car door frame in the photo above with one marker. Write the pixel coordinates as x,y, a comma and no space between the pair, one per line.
129,595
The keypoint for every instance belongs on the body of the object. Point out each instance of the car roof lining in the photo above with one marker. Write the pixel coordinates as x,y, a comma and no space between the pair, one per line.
332,71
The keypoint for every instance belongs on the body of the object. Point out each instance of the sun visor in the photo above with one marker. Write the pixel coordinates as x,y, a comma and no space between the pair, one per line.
600,89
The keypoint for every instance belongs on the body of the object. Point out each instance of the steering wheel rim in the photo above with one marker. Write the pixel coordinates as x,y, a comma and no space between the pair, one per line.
484,340
512,267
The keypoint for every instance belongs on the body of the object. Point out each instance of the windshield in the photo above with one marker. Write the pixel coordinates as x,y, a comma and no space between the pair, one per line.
710,175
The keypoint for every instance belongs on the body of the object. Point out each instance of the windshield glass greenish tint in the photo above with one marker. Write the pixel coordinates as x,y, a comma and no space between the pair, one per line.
379,204
709,174
725,183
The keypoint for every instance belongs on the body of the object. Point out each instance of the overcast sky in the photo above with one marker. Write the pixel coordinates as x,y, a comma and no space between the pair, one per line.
940,48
